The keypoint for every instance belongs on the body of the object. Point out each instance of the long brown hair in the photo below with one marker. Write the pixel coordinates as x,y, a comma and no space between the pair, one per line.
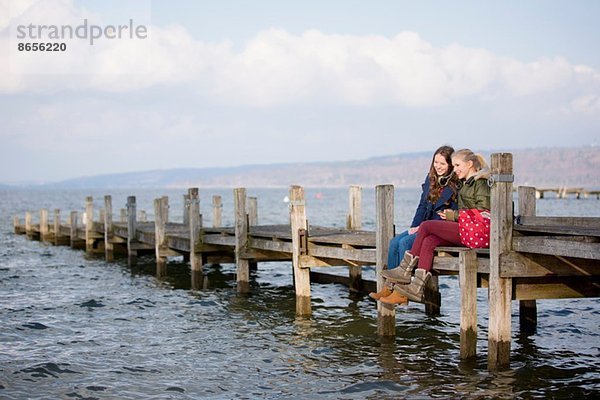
437,183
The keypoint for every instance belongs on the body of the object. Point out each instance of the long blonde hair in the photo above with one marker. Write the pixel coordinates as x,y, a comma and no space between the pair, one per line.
479,163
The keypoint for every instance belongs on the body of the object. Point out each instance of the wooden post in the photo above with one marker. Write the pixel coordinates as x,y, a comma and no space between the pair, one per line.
195,225
186,209
123,215
56,223
500,289
433,297
74,217
252,211
89,224
101,213
301,275
16,224
143,217
44,227
28,225
160,225
109,232
527,308
241,240
467,265
252,221
131,230
386,313
217,211
354,222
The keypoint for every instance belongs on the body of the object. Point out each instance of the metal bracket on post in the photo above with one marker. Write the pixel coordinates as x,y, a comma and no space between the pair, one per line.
303,241
500,178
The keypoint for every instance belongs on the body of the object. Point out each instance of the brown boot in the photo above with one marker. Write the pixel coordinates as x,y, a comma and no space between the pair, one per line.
395,298
386,291
416,288
403,272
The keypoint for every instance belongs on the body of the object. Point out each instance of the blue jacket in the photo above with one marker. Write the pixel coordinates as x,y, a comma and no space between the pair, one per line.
426,210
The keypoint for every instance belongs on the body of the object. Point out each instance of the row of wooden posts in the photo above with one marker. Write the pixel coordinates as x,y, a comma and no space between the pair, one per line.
247,242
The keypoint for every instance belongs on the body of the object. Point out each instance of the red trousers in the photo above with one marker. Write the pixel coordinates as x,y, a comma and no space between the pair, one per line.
430,235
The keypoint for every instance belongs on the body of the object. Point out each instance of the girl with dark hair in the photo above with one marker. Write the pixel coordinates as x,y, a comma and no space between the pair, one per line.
438,193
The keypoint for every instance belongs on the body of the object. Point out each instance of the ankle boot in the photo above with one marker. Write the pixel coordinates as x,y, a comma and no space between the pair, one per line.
416,289
395,298
403,272
386,291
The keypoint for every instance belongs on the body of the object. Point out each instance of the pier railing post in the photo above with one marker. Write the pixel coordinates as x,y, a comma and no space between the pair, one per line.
217,211
186,209
467,275
16,225
500,289
160,224
108,229
89,224
527,308
386,314
298,222
56,223
195,226
354,222
44,227
123,215
241,240
74,218
28,225
131,230
252,221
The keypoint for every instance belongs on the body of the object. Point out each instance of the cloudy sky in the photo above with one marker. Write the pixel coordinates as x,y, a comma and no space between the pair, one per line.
225,83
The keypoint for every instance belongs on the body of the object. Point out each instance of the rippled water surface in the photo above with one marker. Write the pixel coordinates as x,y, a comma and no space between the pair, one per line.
73,326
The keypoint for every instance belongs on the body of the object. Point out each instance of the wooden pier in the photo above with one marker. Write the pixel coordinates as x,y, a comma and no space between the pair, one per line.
529,258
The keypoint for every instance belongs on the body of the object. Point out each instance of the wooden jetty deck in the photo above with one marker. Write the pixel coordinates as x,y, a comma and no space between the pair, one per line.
530,257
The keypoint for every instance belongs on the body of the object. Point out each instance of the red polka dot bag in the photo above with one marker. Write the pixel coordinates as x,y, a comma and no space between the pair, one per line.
474,228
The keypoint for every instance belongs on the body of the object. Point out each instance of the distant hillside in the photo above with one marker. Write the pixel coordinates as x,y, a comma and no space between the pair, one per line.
578,167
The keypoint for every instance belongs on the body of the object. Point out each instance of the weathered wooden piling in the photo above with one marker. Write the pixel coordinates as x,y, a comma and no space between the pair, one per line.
56,227
28,225
217,211
44,227
195,225
500,289
89,224
109,231
354,222
299,227
467,265
161,214
252,211
16,225
241,240
527,308
73,219
123,215
386,313
131,230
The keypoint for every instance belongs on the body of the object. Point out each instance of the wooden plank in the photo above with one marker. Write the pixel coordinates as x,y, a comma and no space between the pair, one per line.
445,264
556,288
270,245
559,230
540,265
358,255
217,211
220,240
556,246
533,220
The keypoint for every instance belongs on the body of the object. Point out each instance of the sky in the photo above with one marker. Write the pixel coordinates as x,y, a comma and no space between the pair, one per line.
228,83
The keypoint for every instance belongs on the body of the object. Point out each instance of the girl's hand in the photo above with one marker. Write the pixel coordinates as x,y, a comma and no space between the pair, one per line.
413,230
442,214
486,214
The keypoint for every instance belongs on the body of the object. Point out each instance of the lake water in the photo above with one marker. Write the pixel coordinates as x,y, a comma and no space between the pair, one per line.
77,327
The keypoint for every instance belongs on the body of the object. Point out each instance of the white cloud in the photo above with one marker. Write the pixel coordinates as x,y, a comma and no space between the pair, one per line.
276,67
